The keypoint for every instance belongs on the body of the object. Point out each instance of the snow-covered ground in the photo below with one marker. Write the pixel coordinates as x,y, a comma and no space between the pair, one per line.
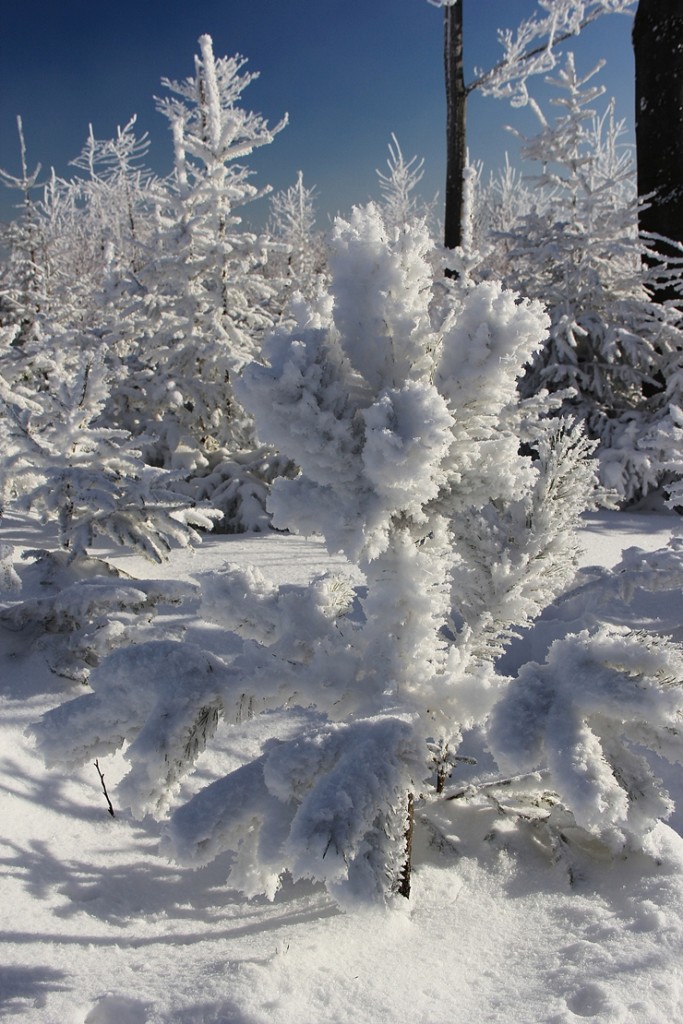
98,928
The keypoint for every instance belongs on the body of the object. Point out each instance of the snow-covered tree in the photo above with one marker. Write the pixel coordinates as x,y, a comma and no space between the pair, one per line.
194,313
577,249
398,185
296,259
119,190
77,236
90,479
499,206
529,50
197,308
24,272
406,424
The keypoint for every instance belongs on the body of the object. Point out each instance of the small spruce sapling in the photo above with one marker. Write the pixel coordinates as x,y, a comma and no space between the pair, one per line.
25,272
402,419
406,423
198,308
296,263
90,479
400,205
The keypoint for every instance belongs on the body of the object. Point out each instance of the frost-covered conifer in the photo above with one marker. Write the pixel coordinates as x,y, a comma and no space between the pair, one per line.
499,206
89,478
77,236
118,195
577,249
197,308
102,227
24,273
406,425
87,610
194,312
296,261
399,204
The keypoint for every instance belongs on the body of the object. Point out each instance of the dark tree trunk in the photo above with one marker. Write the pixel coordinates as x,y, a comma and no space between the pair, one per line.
658,49
456,122
404,881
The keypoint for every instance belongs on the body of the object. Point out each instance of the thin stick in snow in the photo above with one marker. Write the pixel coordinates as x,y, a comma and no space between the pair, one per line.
104,789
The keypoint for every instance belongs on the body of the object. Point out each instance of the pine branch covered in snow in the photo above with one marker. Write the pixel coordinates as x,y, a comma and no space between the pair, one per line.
584,716
92,613
331,802
167,721
531,48
512,560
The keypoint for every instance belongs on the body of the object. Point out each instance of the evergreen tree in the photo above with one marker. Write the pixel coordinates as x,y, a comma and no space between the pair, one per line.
76,237
577,249
400,205
89,478
24,274
499,206
198,307
529,50
405,422
296,260
117,197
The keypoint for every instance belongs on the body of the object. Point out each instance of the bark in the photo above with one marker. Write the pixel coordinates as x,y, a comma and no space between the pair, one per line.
456,124
658,49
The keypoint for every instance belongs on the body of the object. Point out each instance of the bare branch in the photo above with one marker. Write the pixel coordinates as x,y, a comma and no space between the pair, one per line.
104,789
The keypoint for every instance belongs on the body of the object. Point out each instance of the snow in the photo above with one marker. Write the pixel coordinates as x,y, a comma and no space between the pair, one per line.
99,928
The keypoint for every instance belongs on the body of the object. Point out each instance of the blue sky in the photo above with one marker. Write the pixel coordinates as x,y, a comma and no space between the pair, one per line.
347,74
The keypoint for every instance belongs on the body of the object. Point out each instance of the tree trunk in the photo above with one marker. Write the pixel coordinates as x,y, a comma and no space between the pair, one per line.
404,881
456,121
658,49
